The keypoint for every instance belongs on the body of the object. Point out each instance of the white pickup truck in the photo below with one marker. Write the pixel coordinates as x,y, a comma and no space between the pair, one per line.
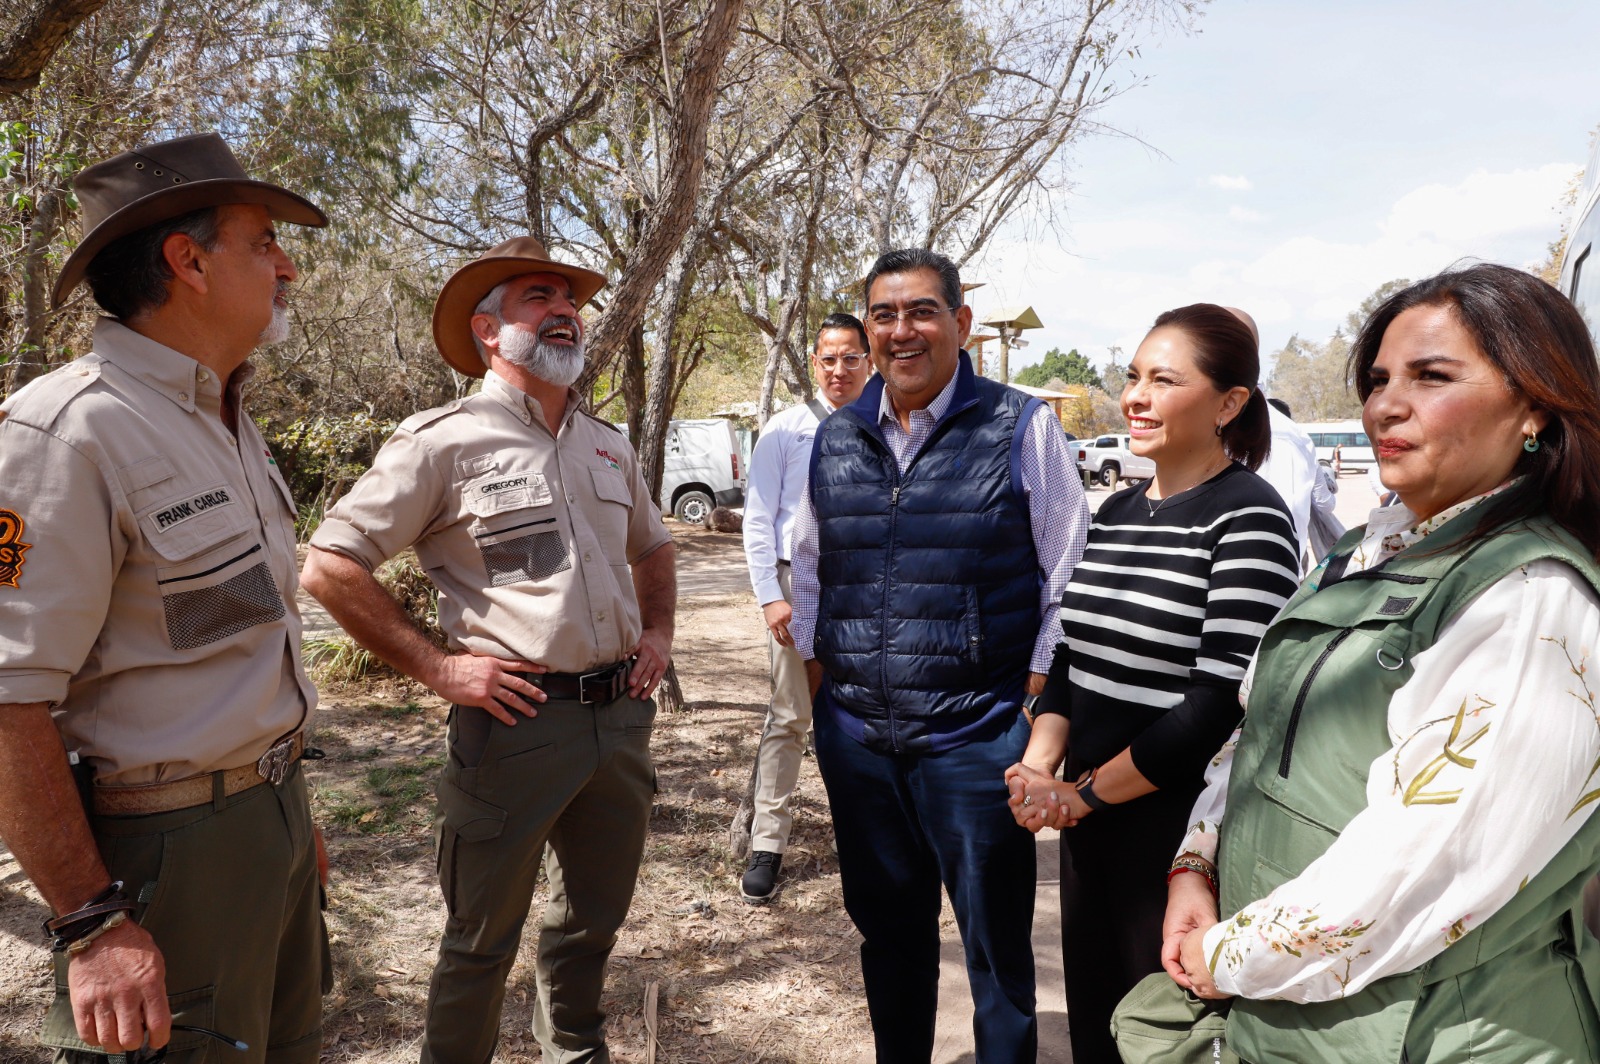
1105,459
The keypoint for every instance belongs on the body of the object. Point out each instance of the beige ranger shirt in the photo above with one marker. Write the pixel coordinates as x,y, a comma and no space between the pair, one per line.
147,566
527,536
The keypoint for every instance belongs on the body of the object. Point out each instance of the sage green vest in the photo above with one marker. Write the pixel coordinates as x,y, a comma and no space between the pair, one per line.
1520,987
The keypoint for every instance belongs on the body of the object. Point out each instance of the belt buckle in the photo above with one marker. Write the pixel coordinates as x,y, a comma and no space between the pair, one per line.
274,764
606,679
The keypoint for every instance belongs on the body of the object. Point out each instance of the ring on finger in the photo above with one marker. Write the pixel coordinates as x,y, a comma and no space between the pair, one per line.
1027,799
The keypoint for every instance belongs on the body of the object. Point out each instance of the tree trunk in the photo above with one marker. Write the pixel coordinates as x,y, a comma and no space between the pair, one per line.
673,213
652,440
41,27
29,360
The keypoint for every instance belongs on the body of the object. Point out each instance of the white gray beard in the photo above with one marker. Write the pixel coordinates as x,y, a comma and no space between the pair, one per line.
557,365
277,330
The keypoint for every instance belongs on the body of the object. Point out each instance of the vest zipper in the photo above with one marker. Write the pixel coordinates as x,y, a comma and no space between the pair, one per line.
1300,701
883,665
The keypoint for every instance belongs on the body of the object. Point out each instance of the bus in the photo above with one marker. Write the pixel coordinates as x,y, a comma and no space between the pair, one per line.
1580,266
1347,437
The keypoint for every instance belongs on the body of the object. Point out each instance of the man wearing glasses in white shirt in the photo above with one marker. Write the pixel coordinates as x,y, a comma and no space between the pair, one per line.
778,468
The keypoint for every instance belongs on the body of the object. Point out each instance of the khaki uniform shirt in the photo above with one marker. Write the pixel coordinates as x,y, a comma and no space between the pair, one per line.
527,536
149,591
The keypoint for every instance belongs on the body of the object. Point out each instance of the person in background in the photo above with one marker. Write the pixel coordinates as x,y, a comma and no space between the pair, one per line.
1291,467
1403,844
778,468
943,519
1180,577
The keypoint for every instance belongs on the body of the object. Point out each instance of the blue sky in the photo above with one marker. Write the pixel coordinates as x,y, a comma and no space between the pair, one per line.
1299,155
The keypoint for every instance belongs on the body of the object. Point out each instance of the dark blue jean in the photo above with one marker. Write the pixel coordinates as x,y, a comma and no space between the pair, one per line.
904,824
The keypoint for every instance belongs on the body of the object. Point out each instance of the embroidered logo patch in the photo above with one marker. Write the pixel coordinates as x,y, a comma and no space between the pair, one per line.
11,548
610,461
178,513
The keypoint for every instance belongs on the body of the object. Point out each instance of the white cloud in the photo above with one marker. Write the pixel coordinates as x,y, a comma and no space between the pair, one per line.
1229,183
1291,269
1245,214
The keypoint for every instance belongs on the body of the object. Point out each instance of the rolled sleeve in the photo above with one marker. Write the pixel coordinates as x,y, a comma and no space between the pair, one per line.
70,543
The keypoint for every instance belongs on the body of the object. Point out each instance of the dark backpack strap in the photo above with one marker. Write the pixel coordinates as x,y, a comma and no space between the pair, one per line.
818,409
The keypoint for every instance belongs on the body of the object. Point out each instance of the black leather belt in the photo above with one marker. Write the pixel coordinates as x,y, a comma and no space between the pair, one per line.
604,684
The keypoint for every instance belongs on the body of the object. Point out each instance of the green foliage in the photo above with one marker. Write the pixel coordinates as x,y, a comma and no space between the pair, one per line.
1070,367
320,456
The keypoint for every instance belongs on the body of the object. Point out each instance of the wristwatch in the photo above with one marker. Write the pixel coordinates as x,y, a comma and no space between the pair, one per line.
1086,791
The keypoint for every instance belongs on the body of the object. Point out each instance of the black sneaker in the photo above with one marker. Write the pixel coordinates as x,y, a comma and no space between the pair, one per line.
761,877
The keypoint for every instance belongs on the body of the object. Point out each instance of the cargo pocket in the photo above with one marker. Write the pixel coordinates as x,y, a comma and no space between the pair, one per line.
462,821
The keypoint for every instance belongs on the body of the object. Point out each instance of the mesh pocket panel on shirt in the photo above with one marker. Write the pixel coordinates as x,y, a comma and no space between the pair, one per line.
534,557
196,618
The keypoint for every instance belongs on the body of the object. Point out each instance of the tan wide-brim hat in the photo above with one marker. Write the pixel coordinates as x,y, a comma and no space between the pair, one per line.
159,182
452,314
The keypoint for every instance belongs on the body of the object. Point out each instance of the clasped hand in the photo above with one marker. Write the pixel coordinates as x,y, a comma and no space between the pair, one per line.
1039,800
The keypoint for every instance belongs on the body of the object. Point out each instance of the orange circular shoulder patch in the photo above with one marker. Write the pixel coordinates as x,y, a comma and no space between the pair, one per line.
11,548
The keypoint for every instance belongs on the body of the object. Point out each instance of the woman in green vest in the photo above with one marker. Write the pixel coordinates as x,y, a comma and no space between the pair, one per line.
1402,831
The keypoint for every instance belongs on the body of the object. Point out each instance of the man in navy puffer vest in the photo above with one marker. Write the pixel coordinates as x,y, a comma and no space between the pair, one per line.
942,520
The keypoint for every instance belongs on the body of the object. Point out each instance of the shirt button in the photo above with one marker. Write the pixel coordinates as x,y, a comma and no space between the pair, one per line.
600,616
586,556
202,376
183,397
572,498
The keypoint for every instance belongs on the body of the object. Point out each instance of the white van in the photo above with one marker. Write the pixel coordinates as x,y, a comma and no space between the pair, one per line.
704,467
1350,437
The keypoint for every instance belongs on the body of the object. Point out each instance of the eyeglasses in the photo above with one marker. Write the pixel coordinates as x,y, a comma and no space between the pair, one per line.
883,318
154,1056
832,362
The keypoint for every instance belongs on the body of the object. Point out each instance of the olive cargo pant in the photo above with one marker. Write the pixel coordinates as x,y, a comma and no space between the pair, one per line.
229,893
571,789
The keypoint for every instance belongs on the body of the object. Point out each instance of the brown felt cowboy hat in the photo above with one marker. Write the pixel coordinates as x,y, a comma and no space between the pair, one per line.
452,314
159,182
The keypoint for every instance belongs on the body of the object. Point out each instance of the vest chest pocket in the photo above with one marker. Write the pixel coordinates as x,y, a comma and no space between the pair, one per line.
217,583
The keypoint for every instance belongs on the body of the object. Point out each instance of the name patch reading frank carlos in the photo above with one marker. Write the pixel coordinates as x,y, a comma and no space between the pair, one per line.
11,548
178,513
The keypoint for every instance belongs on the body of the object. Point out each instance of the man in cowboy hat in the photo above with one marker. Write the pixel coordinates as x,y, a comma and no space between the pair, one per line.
152,644
528,514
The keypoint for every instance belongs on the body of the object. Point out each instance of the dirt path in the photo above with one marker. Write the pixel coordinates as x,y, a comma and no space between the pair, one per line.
732,983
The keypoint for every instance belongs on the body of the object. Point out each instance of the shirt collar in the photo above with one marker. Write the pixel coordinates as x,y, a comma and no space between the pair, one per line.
1393,528
934,410
520,402
172,373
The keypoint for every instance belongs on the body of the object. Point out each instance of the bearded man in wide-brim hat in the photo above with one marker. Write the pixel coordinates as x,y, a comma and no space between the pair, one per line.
152,701
557,591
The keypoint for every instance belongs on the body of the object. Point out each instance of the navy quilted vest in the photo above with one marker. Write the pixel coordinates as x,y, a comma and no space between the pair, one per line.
929,581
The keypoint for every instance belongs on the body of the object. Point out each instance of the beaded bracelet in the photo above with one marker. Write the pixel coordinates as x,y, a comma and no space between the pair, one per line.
1199,866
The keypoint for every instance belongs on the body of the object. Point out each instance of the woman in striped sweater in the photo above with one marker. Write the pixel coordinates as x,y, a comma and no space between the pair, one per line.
1180,577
